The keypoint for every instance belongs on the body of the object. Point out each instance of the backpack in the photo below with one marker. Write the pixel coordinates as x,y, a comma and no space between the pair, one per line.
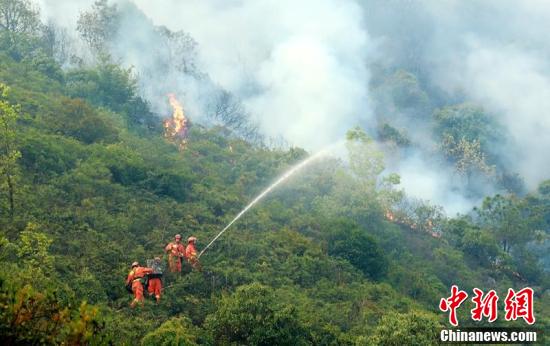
158,269
129,288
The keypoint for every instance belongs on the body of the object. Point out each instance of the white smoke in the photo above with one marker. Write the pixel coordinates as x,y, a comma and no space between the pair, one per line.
64,13
299,67
514,85
302,68
439,185
494,53
497,54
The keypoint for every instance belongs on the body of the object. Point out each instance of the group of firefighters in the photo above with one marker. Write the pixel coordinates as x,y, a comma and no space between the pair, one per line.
151,275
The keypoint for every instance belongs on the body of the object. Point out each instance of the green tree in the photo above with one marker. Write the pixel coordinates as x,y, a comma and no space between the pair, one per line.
33,248
465,132
77,119
252,316
174,332
412,328
366,161
32,317
360,192
19,22
45,64
481,245
388,133
107,85
399,92
99,25
419,214
9,155
182,50
406,91
468,156
347,240
504,216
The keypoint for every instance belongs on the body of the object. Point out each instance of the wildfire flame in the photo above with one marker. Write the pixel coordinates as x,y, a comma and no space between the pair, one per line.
428,226
176,128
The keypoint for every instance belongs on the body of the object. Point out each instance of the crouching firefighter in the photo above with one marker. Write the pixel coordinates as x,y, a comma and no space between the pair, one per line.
136,279
191,254
155,278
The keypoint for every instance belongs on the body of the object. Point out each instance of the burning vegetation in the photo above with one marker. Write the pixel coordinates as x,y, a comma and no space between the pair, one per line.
176,128
414,223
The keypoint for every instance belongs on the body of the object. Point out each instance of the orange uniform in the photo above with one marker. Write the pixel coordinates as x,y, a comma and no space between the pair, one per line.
175,253
155,287
191,254
136,278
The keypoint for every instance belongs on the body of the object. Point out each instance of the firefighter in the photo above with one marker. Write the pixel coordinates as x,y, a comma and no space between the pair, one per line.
191,253
136,278
176,252
155,279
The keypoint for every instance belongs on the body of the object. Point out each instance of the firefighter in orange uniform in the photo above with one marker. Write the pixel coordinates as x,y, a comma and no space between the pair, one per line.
136,278
191,253
155,279
176,252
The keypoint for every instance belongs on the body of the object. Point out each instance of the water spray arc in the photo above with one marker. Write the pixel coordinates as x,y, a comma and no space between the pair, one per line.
284,177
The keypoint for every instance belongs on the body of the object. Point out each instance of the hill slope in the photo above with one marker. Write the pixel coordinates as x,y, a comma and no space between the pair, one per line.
97,187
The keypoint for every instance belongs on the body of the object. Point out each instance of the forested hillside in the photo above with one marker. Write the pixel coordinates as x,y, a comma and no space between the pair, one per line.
338,255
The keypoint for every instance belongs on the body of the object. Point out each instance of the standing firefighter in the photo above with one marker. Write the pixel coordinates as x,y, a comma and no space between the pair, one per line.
191,253
176,251
136,278
155,278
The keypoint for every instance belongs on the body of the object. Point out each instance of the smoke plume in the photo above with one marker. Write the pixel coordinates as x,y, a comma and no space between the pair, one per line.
304,71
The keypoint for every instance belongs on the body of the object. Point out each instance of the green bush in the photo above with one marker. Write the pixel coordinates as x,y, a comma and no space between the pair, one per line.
347,240
413,328
174,332
252,316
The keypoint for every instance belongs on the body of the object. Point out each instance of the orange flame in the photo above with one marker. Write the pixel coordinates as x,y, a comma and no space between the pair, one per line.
177,116
176,127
